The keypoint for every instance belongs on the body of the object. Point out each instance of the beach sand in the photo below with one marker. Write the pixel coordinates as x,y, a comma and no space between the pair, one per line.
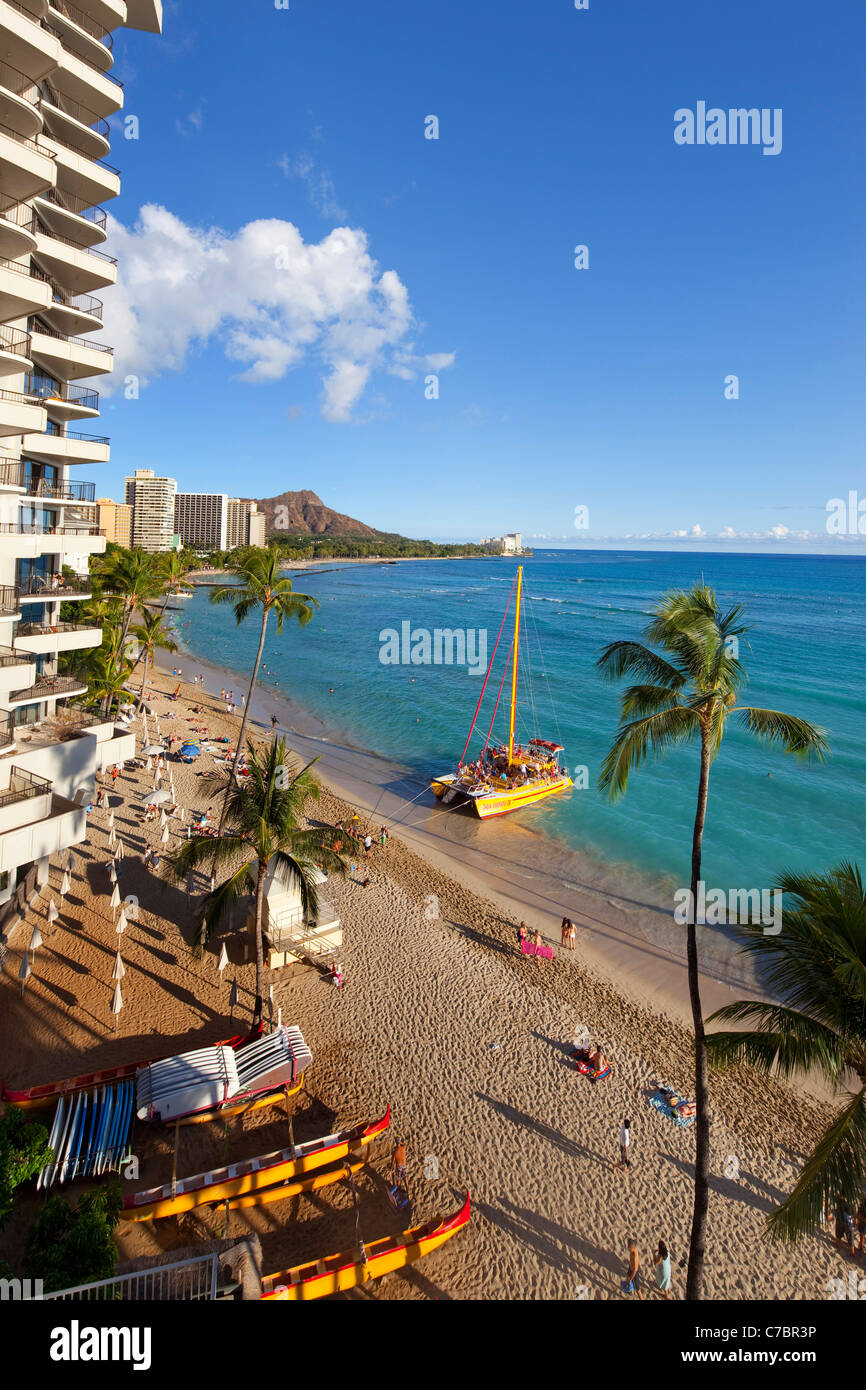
466,1039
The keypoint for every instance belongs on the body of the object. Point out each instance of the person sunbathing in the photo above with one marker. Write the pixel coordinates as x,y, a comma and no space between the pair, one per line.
597,1059
681,1107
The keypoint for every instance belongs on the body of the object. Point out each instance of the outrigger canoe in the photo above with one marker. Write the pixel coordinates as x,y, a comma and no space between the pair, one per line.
337,1273
252,1174
35,1096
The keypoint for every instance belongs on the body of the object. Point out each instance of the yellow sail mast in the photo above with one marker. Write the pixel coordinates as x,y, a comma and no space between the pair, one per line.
514,667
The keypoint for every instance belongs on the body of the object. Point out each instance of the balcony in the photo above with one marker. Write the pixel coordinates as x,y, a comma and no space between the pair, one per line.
73,125
51,639
26,798
9,605
17,228
63,401
26,164
66,446
76,80
15,667
25,43
18,97
65,356
70,219
75,269
7,732
67,312
81,34
36,528
19,413
38,588
49,688
14,351
21,293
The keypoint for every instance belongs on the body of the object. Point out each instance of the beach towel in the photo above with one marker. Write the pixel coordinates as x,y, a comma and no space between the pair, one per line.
658,1102
579,1058
530,949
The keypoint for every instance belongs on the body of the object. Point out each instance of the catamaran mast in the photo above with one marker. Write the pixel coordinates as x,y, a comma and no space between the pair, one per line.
514,667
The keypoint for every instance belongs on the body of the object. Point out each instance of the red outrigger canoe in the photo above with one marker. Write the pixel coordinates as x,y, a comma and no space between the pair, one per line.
35,1096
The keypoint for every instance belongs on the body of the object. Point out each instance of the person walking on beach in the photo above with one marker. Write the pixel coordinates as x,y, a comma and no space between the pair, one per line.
662,1269
368,845
624,1145
274,722
399,1163
383,837
571,935
632,1279
563,932
115,773
521,936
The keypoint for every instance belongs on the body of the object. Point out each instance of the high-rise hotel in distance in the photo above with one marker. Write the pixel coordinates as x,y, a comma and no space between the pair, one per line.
56,95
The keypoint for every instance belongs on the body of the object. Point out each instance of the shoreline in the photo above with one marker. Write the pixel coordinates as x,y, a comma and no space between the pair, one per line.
625,931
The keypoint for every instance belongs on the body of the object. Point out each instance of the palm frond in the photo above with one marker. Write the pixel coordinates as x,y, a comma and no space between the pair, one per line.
795,735
633,742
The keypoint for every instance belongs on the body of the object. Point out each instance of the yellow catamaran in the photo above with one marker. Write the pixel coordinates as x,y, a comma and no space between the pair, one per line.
504,778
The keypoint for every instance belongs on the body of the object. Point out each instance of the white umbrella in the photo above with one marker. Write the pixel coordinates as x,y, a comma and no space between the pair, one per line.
115,898
119,968
224,959
163,819
118,853
112,873
117,1002
112,840
153,750
157,796
128,705
181,815
149,764
70,859
121,923
165,836
64,886
53,913
110,821
35,939
158,777
24,971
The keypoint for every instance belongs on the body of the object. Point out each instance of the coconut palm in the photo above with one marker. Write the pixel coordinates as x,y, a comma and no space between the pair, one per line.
816,964
106,681
686,693
134,577
151,635
175,564
263,830
260,586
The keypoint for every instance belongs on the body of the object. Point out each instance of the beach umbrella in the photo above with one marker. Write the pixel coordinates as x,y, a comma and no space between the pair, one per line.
121,923
223,960
202,936
118,852
165,836
234,997
163,819
110,821
153,750
112,872
112,840
157,796
128,705
158,776
24,971
116,1002
115,897
181,815
149,764
70,859
64,885
35,939
190,750
53,914
119,968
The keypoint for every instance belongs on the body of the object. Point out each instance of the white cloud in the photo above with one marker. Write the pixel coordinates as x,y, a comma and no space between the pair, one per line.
271,299
318,183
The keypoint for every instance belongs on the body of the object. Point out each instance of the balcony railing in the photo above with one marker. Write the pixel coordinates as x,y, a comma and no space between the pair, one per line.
19,214
43,24
7,730
18,83
37,144
79,206
47,687
13,473
51,587
23,785
84,21
46,389
84,303
8,657
17,397
14,340
36,326
52,629
45,230
57,432
35,528
8,600
79,113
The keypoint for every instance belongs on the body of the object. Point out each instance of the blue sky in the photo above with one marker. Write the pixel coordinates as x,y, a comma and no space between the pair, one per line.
294,364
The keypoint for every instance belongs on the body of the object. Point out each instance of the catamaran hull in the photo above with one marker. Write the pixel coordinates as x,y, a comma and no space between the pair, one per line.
500,803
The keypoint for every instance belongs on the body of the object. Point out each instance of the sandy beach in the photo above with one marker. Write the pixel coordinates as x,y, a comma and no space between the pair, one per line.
467,1040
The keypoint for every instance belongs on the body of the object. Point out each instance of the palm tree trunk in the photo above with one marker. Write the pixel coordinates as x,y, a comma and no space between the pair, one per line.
260,950
698,1239
127,619
144,680
246,715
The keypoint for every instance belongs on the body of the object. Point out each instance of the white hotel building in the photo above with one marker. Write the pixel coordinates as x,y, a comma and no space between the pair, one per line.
56,91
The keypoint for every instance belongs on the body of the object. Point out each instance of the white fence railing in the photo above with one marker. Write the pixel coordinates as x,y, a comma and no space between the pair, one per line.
198,1278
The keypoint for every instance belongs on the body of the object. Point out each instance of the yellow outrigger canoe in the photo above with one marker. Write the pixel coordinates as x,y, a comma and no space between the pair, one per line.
250,1175
337,1273
294,1189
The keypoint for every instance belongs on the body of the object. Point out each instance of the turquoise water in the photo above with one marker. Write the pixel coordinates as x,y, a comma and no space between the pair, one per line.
804,653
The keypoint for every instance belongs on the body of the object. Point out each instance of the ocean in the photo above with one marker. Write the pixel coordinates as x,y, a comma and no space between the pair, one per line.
767,811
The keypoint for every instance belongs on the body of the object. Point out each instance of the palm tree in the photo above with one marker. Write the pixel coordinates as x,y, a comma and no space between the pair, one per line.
151,634
686,693
261,585
816,964
175,564
134,577
263,831
106,680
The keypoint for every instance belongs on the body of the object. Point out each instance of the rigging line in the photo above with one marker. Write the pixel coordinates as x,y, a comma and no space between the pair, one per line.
487,677
547,680
496,706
